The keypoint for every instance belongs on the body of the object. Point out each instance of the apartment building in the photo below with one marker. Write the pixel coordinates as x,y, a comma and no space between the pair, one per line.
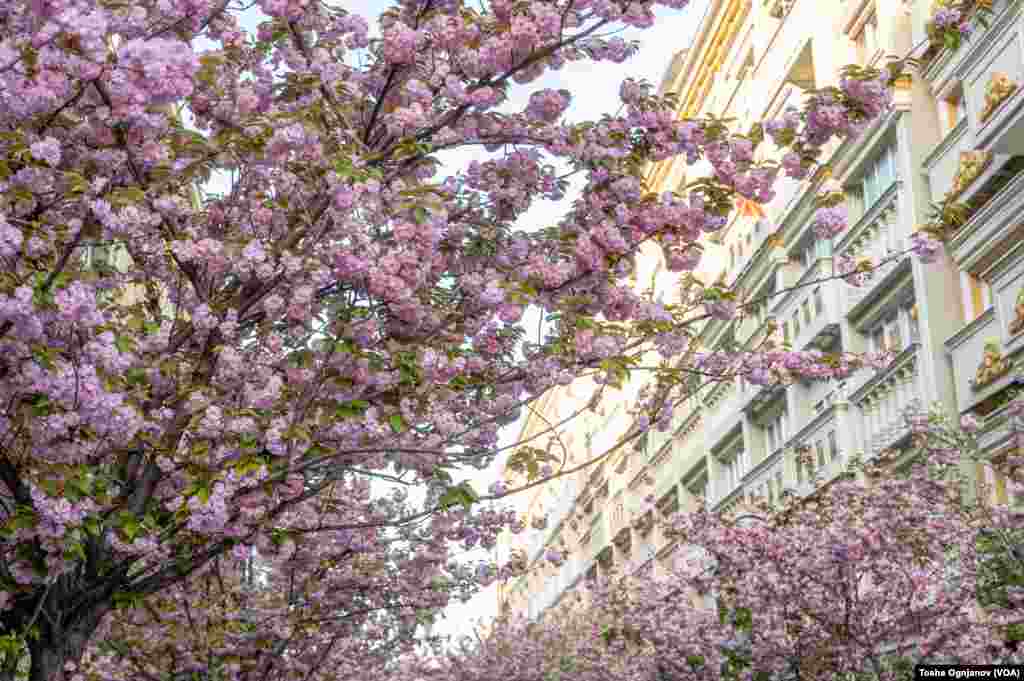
955,328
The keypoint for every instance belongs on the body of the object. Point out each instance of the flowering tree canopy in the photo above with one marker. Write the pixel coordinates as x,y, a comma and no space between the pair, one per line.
188,376
882,569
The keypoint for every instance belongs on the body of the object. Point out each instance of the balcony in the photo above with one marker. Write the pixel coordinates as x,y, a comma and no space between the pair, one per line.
993,226
883,402
722,411
876,236
767,470
984,45
733,469
981,365
818,308
824,459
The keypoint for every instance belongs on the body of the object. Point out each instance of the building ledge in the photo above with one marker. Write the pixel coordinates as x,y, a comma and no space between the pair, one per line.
969,330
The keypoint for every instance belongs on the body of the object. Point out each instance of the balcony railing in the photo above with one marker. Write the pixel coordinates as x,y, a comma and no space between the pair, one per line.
875,236
884,402
818,308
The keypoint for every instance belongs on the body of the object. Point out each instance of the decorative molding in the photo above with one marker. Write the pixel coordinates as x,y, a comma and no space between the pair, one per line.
904,360
968,331
972,165
999,88
946,144
993,366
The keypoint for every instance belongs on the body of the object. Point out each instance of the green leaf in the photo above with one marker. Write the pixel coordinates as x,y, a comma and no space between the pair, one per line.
397,424
41,406
124,344
462,494
352,409
124,196
135,376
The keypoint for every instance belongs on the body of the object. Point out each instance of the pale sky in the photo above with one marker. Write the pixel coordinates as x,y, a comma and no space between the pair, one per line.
595,89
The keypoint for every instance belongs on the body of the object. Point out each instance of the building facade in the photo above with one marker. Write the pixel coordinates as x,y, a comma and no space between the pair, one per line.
955,328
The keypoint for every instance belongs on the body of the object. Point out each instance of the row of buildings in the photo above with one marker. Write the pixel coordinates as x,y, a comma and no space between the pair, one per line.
955,327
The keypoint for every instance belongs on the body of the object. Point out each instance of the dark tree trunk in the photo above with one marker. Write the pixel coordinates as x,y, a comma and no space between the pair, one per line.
63,620
64,643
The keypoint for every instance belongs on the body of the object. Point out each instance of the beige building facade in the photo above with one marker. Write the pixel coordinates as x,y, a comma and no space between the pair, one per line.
955,328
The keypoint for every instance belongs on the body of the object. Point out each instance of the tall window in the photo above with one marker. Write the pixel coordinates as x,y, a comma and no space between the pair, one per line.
896,331
833,445
879,175
976,296
878,340
954,110
775,432
914,327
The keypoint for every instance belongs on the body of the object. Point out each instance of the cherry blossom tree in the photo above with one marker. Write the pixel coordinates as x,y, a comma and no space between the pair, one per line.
188,377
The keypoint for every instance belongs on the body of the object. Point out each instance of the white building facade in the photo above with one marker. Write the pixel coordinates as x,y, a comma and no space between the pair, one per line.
955,328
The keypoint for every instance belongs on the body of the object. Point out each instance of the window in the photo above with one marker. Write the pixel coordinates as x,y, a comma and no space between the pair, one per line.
819,446
976,296
819,301
954,110
775,432
806,305
833,445
877,178
878,341
785,332
736,468
894,334
806,255
796,324
910,314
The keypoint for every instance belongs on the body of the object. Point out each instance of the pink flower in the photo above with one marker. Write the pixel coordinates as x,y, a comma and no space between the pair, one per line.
925,247
969,423
47,150
829,222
